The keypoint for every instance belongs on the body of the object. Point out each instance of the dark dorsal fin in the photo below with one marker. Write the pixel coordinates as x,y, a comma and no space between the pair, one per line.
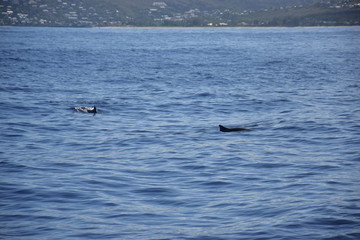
225,129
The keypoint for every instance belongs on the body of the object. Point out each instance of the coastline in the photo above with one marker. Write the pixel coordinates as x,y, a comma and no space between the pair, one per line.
239,27
181,27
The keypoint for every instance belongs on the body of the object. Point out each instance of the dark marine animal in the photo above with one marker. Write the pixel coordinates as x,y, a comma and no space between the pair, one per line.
225,129
93,110
87,109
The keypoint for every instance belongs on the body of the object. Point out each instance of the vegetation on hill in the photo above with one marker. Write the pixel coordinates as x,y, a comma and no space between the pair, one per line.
90,13
185,5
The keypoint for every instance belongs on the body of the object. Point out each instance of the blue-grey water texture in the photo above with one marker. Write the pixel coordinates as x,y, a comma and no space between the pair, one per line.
152,164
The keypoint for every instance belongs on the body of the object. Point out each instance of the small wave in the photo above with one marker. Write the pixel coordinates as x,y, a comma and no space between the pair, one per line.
16,89
274,62
18,59
354,86
170,202
332,222
292,128
135,215
194,167
12,167
268,165
216,183
204,94
156,191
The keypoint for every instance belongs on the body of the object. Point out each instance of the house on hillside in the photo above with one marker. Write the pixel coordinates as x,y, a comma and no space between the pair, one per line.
159,4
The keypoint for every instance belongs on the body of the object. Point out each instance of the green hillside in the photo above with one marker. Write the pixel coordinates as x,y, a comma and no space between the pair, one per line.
136,6
95,13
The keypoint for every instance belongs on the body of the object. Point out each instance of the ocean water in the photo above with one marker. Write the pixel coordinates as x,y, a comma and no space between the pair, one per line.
152,163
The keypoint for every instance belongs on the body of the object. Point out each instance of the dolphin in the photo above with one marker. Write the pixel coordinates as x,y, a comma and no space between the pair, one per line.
93,110
87,109
225,129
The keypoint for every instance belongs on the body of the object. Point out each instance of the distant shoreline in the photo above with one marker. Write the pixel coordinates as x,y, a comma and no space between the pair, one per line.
242,27
176,27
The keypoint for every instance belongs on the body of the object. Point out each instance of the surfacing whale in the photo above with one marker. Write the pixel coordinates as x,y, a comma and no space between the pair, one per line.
225,129
87,109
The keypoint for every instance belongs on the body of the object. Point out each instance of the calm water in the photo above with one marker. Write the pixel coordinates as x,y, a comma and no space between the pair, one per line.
153,164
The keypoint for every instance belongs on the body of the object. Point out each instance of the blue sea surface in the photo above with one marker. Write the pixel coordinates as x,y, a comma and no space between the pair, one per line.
152,163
